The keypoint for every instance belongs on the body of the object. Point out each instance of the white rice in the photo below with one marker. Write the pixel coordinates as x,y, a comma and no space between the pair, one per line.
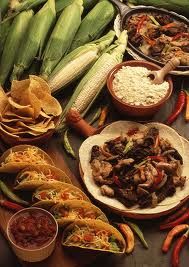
133,86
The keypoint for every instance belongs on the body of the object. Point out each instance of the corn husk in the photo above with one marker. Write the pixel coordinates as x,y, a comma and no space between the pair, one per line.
16,34
33,46
62,37
18,6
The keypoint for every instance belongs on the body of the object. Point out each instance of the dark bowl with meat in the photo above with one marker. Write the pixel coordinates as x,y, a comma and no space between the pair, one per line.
158,35
32,234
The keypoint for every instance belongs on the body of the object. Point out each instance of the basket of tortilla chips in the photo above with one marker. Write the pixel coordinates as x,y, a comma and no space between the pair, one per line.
28,113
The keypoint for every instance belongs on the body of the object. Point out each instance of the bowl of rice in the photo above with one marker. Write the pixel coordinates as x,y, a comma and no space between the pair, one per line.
133,92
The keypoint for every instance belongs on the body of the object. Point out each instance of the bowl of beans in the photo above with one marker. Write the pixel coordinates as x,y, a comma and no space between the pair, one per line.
133,92
32,234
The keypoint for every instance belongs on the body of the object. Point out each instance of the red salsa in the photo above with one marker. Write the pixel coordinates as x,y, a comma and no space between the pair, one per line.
32,230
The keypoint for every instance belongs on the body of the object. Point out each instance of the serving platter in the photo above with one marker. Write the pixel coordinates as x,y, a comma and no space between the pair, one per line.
113,130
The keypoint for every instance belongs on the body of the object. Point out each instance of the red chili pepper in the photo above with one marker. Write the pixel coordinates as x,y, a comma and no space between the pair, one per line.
10,205
178,107
116,180
177,249
178,221
179,35
141,22
169,25
158,178
156,158
177,214
172,234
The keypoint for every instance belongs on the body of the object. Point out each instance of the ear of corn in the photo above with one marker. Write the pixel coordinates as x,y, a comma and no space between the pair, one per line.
14,38
4,30
33,45
61,37
17,6
73,65
91,85
93,24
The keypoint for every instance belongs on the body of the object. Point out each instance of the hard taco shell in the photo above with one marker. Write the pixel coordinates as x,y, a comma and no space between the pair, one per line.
45,169
97,225
14,167
75,204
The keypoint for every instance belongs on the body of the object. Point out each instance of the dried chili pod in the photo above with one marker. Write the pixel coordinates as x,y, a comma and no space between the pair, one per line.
177,249
175,215
178,221
129,236
103,116
10,205
174,232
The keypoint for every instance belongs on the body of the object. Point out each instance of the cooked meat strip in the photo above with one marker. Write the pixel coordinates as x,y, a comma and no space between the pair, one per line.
156,49
95,152
179,181
124,162
167,190
177,28
174,153
151,136
163,19
149,179
126,196
142,192
145,202
167,167
154,33
107,191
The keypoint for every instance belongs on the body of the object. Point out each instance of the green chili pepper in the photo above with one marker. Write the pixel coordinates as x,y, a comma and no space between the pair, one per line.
67,145
128,147
138,232
96,116
9,194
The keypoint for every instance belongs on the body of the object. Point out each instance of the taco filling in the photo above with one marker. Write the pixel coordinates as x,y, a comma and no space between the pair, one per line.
75,213
30,155
54,194
87,237
32,175
138,168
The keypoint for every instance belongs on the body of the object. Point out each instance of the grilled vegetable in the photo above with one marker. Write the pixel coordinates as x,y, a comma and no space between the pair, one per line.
17,5
33,45
62,37
93,24
93,82
14,38
4,30
77,62
174,5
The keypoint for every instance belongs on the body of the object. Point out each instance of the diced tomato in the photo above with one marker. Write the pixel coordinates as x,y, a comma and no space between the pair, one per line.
88,237
43,194
65,195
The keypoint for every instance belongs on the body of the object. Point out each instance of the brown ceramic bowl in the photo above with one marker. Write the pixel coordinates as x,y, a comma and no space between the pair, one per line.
36,140
131,110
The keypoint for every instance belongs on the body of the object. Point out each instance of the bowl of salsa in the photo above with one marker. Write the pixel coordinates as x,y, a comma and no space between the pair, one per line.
32,234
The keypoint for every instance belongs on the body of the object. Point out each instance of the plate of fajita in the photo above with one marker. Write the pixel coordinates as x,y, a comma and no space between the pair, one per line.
138,170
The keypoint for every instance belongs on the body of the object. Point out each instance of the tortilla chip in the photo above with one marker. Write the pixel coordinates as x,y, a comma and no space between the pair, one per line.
3,131
11,129
18,89
3,100
43,84
35,128
49,104
11,115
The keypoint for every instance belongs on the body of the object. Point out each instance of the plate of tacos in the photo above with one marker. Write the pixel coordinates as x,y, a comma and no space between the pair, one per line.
93,235
136,169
